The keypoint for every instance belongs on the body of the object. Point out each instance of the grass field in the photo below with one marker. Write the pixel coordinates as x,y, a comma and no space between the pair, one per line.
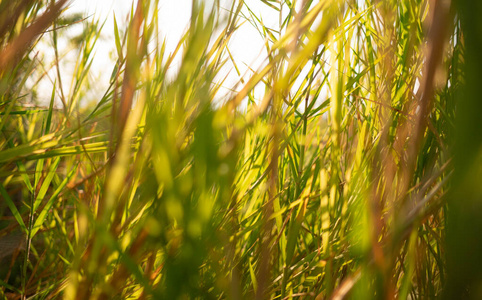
346,166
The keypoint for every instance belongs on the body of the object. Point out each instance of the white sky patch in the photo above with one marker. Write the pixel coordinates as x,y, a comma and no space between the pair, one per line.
246,46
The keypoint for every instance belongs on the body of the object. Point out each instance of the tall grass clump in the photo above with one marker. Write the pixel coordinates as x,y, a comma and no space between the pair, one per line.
344,166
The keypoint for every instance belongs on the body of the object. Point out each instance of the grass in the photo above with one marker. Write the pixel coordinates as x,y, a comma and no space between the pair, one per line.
333,171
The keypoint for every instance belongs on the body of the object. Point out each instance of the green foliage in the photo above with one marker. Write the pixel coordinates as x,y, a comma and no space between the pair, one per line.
324,174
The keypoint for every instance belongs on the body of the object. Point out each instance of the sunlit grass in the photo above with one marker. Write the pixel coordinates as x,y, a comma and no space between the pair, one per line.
329,181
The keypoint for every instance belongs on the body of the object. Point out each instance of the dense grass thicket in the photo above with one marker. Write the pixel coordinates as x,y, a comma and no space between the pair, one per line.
346,166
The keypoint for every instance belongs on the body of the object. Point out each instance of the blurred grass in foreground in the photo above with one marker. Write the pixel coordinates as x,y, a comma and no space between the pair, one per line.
331,183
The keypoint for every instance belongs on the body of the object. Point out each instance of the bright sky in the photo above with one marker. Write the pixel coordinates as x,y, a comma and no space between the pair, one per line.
246,45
